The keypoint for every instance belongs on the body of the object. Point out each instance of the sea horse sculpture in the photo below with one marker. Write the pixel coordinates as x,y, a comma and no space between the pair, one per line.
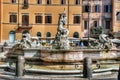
108,42
61,40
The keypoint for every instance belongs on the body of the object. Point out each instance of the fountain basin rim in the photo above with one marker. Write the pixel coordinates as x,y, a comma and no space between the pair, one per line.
25,49
78,49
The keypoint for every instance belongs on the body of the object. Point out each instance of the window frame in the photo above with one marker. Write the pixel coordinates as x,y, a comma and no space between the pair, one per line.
25,19
77,3
96,23
108,8
106,24
38,34
76,19
117,13
97,8
27,2
62,2
85,24
38,19
48,19
13,1
76,35
48,2
38,2
13,18
87,8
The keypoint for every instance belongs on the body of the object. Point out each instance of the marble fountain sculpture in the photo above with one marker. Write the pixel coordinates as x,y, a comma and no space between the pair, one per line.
60,49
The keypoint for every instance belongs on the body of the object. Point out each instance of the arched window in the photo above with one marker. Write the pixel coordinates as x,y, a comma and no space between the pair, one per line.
48,34
12,36
38,34
76,35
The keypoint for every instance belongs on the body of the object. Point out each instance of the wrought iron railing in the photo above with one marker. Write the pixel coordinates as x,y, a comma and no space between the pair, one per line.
25,26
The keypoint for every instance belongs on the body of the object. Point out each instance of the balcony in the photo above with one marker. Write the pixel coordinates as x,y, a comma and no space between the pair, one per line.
24,26
25,6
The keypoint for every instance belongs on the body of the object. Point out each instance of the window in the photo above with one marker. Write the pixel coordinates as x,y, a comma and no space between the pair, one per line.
38,34
107,8
95,23
25,1
12,36
48,2
25,4
76,19
107,24
76,35
118,16
13,18
38,19
97,8
48,19
85,24
48,34
13,1
77,2
25,19
39,1
86,8
63,2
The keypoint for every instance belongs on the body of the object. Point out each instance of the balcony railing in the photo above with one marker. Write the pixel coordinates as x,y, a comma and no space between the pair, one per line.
25,6
25,26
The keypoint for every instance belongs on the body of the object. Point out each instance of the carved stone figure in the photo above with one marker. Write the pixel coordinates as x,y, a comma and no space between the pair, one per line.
105,41
27,42
61,40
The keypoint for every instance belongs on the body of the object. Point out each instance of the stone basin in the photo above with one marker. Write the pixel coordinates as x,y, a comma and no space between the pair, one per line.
72,55
68,55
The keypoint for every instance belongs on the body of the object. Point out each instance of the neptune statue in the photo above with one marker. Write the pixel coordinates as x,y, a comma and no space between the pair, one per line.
61,39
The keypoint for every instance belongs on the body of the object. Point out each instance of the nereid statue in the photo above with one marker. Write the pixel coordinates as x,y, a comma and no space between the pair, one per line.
105,42
27,42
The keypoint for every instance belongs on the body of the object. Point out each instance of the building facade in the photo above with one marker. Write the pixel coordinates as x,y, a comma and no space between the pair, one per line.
116,15
96,13
39,18
0,21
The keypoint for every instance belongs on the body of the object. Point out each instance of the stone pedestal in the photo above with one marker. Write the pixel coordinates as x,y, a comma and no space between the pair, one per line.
119,74
87,68
20,66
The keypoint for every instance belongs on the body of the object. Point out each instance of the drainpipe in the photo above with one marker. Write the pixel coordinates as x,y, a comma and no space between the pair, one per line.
89,23
68,15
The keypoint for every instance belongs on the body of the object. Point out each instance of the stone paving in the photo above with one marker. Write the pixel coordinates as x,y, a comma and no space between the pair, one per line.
99,74
11,76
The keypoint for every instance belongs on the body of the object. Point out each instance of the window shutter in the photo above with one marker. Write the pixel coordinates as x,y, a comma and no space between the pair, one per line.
104,8
83,8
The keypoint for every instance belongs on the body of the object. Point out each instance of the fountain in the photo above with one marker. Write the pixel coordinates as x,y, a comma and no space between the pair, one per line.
61,51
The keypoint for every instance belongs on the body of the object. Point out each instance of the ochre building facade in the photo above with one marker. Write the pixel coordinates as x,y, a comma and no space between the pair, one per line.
116,16
39,18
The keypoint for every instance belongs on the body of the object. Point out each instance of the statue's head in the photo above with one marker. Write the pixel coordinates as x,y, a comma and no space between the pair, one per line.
63,18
